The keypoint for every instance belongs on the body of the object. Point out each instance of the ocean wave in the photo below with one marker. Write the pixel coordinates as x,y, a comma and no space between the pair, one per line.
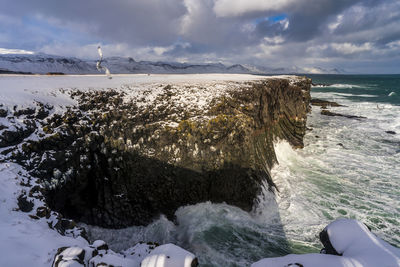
362,95
344,85
337,85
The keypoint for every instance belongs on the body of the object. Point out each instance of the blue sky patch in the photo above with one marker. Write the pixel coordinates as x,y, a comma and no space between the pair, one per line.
272,19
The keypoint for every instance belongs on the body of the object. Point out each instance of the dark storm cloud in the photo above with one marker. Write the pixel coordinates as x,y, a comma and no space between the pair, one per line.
279,32
153,22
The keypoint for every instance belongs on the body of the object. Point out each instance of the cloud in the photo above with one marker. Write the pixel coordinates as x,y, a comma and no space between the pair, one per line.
348,48
136,22
229,8
280,33
4,51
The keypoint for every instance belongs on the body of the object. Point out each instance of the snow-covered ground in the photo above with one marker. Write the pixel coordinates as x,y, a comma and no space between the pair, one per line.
25,89
25,241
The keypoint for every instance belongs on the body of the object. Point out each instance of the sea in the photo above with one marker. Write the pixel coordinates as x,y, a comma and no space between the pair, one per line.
348,168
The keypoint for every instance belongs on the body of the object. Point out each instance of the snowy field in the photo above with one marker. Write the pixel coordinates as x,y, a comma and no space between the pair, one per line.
24,90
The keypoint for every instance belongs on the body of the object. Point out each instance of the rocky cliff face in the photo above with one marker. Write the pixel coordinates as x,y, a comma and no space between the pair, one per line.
122,157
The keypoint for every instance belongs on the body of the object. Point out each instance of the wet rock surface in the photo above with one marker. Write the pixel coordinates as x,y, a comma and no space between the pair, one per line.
324,103
122,157
329,113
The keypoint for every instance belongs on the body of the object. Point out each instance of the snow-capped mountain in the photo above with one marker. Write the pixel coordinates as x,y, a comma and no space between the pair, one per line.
43,63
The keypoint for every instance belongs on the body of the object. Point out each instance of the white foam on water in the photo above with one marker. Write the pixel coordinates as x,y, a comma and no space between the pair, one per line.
361,95
348,168
339,85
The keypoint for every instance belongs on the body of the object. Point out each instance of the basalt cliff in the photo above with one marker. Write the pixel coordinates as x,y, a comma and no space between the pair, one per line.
122,156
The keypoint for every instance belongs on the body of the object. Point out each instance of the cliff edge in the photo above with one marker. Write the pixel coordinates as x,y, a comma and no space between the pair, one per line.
120,157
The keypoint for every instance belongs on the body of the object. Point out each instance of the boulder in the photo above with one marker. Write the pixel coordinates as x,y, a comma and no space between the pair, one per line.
169,255
69,257
347,242
3,113
24,204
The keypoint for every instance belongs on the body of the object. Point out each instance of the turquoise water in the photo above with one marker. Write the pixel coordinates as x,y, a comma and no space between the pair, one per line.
377,86
348,168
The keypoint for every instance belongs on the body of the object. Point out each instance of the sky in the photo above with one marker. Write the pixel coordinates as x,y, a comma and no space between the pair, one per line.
355,36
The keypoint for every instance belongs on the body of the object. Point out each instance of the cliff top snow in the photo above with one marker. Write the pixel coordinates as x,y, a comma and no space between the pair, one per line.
24,90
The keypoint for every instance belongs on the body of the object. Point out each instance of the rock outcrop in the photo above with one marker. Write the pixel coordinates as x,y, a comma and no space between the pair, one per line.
122,157
142,254
329,113
324,103
347,242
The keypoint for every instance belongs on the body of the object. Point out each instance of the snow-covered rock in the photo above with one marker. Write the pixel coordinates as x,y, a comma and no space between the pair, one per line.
169,255
70,257
141,255
356,245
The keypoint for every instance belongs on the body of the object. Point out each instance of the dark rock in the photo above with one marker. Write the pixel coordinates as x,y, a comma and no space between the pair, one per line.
43,212
27,111
329,113
55,73
91,256
390,132
36,192
340,144
33,217
194,263
6,71
43,112
24,205
65,226
9,138
3,113
324,103
328,248
100,245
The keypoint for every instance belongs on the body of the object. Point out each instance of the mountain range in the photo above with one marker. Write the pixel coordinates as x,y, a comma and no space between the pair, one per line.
43,63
